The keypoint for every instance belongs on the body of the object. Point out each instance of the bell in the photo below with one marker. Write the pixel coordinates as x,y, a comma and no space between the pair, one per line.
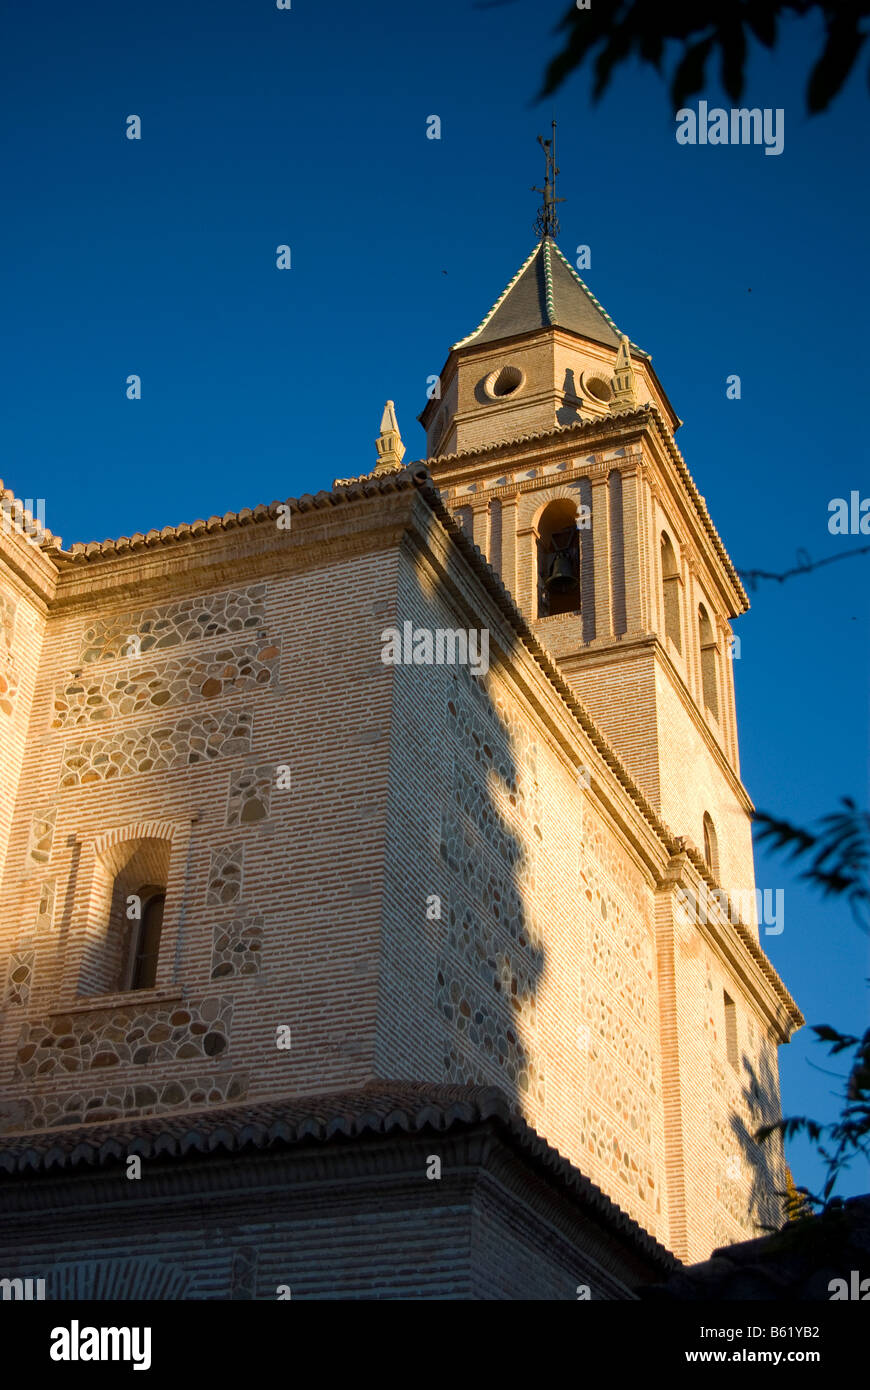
561,576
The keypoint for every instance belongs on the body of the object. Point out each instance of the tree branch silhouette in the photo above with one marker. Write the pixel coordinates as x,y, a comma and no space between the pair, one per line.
608,35
839,866
804,566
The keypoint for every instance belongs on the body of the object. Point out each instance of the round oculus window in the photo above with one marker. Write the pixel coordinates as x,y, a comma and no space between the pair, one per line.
503,382
598,388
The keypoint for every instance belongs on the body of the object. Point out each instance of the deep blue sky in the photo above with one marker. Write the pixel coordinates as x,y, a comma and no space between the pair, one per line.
308,127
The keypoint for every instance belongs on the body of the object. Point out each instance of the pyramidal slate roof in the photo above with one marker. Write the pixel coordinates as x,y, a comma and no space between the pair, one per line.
547,292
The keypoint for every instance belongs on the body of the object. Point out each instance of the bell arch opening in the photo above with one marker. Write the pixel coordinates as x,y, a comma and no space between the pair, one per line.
558,557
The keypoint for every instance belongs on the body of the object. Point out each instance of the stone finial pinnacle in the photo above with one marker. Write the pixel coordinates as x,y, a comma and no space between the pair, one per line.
624,381
389,444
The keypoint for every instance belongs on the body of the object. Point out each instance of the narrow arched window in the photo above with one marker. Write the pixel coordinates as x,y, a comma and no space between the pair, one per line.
711,845
146,939
558,552
709,684
671,592
127,895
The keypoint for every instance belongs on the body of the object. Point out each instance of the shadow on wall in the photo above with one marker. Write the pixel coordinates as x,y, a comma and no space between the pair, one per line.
569,414
765,1162
487,952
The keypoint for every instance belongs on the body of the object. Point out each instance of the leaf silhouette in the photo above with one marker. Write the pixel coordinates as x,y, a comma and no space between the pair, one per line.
843,45
733,43
762,21
689,76
610,34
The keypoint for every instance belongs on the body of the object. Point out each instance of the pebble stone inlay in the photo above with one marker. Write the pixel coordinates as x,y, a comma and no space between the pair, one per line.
120,1102
237,946
145,687
250,795
19,978
7,622
747,1176
172,624
225,876
157,748
45,906
129,1036
491,957
41,836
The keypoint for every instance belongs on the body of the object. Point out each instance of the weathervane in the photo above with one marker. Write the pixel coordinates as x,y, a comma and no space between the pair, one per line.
547,223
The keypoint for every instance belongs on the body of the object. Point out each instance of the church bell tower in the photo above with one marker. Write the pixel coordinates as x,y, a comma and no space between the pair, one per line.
553,443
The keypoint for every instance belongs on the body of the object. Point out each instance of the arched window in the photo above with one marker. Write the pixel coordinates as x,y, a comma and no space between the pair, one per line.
708,661
711,845
671,592
146,939
559,559
125,912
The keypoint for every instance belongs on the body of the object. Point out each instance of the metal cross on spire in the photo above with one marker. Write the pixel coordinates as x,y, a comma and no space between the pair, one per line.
547,223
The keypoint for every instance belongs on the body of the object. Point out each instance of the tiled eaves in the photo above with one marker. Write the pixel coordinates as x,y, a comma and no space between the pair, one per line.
13,506
416,478
83,552
381,1109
